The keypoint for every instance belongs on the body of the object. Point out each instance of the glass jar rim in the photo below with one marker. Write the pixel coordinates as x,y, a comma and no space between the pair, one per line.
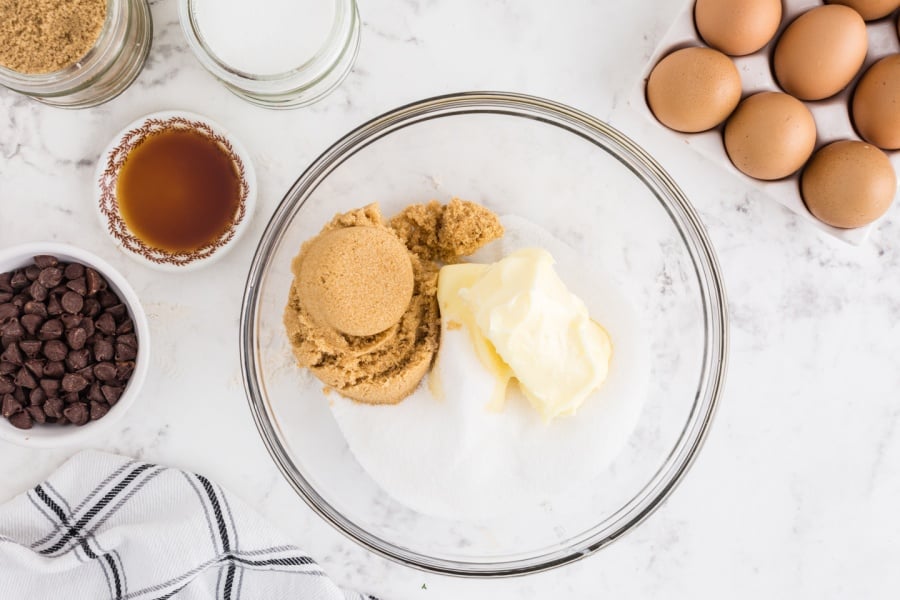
325,57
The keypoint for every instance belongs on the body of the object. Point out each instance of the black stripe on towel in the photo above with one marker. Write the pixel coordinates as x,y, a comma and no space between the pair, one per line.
51,504
115,572
223,532
90,514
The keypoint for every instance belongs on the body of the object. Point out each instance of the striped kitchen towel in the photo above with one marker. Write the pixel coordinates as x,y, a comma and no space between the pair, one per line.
107,526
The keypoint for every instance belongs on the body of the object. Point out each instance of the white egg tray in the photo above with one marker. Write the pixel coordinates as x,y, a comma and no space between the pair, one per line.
832,115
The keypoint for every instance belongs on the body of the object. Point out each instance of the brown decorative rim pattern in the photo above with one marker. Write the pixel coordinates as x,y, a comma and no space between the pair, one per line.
109,203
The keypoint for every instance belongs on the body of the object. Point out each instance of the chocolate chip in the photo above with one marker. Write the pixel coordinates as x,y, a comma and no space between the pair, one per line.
33,307
30,347
54,308
111,393
12,354
37,413
51,330
42,261
74,271
126,326
37,291
71,302
103,350
76,338
18,280
50,386
25,379
54,408
55,369
9,406
124,370
124,351
92,307
50,277
36,366
72,382
71,397
106,324
95,283
6,368
5,287
32,272
19,395
55,350
105,371
129,339
118,311
88,325
77,413
19,300
70,321
8,311
31,323
5,297
12,330
37,397
107,298
98,410
6,384
78,359
79,286
21,420
87,373
94,393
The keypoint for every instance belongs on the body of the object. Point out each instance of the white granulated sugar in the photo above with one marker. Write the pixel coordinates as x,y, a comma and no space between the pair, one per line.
450,457
264,37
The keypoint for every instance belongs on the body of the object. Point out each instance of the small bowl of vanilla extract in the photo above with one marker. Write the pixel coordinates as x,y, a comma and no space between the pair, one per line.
175,190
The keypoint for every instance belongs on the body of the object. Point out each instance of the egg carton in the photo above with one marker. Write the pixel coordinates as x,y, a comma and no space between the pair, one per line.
832,115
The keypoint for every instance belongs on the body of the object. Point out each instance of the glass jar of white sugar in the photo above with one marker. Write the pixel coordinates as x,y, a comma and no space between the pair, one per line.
275,53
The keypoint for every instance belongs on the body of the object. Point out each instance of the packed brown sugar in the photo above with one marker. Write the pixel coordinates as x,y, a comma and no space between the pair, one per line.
43,36
362,312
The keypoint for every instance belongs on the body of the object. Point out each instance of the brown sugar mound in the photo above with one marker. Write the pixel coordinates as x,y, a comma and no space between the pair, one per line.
446,232
358,280
385,366
42,36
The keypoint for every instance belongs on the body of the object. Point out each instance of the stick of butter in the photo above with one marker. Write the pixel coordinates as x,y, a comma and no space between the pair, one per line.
525,324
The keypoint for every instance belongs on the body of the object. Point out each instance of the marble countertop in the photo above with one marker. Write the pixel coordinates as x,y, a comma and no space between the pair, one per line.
795,493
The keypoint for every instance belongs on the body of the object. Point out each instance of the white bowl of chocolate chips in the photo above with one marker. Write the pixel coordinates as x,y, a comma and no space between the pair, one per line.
74,345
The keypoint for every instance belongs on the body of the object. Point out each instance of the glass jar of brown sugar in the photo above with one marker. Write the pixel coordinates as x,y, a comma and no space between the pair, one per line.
73,54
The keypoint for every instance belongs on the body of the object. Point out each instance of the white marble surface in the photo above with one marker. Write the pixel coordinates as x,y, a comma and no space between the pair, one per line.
795,493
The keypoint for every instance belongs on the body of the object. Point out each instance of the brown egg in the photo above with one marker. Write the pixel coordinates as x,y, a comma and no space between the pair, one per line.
848,184
737,27
869,9
820,52
876,104
770,135
693,89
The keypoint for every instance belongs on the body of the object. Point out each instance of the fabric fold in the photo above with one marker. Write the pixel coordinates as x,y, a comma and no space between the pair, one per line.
108,526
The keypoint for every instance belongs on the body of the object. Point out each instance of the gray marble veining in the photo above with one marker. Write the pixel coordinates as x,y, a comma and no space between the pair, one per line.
795,493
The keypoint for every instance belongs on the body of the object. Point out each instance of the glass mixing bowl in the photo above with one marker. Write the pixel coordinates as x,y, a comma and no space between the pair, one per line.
587,184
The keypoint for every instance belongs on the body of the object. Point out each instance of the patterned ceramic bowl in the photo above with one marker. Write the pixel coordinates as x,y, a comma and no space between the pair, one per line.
107,194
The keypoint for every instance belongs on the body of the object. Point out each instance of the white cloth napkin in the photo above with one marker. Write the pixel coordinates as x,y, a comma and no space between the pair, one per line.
107,526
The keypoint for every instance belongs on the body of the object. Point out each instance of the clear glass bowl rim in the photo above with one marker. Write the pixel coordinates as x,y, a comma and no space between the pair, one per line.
683,216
